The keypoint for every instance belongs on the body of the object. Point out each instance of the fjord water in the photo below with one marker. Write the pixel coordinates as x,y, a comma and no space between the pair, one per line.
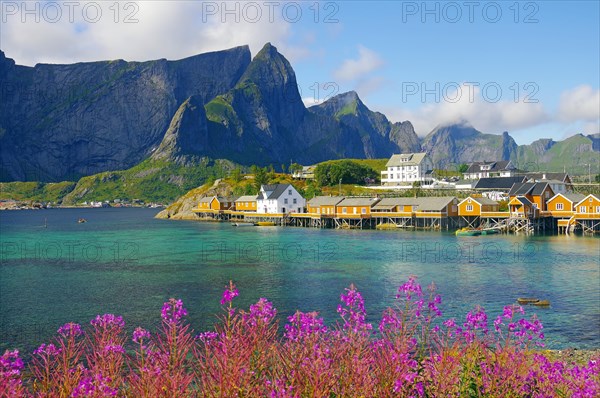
123,261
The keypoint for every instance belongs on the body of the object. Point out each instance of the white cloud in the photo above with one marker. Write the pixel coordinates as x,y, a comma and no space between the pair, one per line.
353,69
311,101
580,103
486,116
164,29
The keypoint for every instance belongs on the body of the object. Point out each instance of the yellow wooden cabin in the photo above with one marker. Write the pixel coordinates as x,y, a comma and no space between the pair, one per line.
521,206
323,206
588,207
215,204
355,207
562,205
246,203
538,193
477,205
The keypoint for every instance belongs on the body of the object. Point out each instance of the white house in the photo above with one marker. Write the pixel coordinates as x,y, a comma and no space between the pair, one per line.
407,168
279,198
501,168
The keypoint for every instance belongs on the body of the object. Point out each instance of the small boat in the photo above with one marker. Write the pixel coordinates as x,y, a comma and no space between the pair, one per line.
265,224
542,303
81,220
468,232
243,224
527,300
489,232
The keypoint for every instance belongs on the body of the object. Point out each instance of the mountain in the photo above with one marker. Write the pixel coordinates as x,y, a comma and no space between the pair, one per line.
462,143
379,136
262,120
572,154
61,122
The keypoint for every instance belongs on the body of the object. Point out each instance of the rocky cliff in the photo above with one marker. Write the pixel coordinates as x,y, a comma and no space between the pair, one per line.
60,122
461,143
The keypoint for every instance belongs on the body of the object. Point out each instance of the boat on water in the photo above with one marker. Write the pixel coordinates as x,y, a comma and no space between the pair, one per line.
468,232
265,224
243,224
81,220
476,232
533,301
489,231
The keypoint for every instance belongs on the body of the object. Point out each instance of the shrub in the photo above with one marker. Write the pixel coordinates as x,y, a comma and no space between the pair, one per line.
411,352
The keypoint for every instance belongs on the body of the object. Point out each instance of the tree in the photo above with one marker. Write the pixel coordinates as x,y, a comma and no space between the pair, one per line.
283,168
295,168
260,177
597,178
348,171
463,167
236,175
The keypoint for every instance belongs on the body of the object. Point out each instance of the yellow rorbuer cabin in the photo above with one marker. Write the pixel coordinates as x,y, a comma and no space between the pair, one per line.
215,203
538,193
562,205
246,203
355,207
475,205
589,207
323,205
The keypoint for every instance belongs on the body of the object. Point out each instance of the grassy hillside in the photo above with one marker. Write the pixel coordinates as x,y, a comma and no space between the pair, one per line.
150,181
572,154
35,191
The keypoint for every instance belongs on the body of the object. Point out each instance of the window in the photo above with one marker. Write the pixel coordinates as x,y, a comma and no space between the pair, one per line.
559,206
469,207
363,210
597,209
294,200
285,201
354,210
547,194
344,210
582,209
289,191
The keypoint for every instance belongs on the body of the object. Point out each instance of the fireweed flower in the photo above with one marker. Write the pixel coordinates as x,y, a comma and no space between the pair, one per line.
173,311
70,329
11,363
206,337
354,315
304,324
95,386
140,334
409,288
260,313
229,294
108,320
49,349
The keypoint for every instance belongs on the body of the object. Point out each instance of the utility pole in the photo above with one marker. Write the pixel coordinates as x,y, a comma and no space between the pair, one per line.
340,188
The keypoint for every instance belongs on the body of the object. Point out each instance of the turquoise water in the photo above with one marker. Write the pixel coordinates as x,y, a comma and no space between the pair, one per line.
123,261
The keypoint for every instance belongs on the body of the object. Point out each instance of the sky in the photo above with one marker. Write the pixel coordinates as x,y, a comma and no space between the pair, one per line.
531,68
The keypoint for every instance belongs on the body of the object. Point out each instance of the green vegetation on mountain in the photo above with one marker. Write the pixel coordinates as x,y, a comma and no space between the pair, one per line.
35,191
343,171
150,181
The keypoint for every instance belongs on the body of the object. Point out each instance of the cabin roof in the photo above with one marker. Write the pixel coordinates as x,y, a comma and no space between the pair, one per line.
563,177
498,183
570,196
482,200
358,202
247,198
523,200
435,203
325,201
499,165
